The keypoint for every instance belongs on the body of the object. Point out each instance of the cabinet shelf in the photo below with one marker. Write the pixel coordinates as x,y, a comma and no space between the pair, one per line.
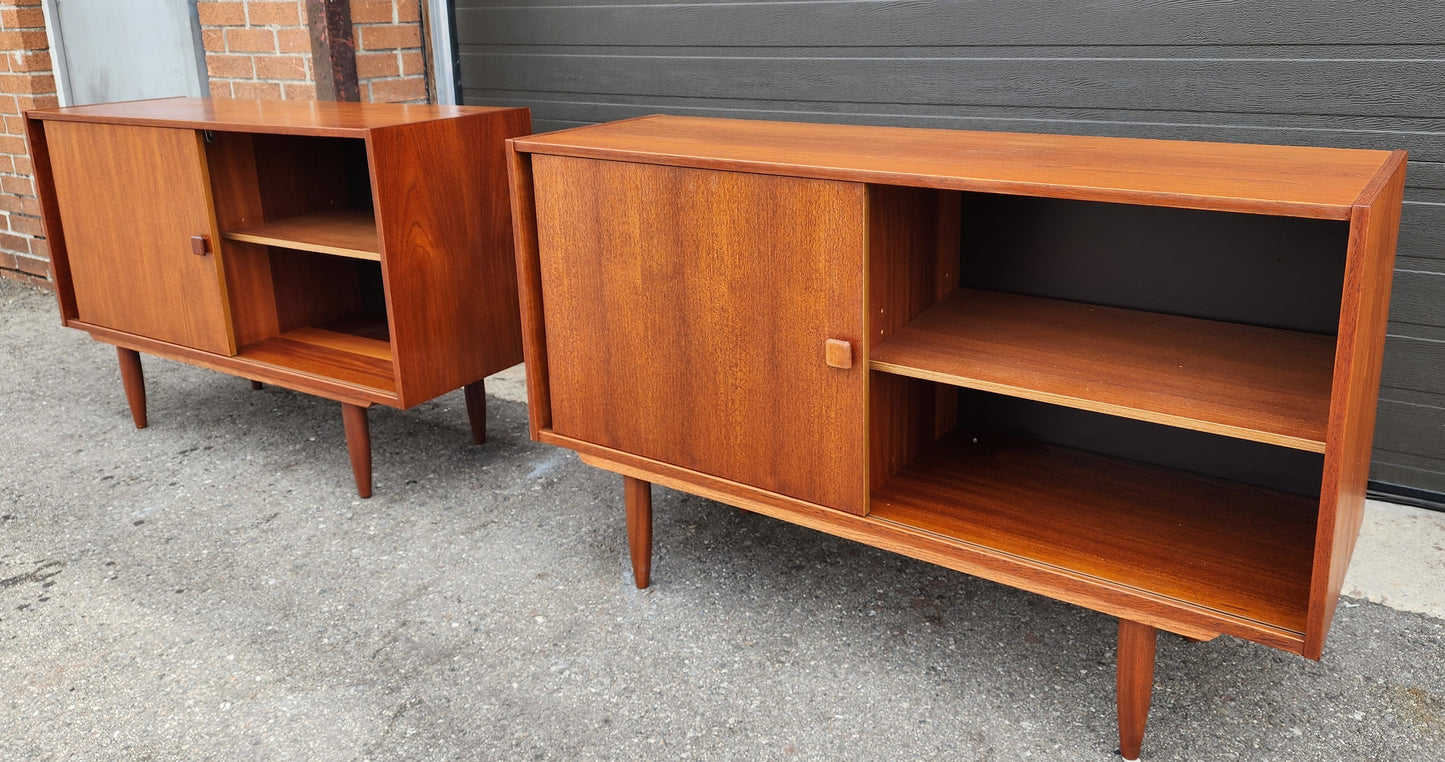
341,232
1247,382
354,349
1246,550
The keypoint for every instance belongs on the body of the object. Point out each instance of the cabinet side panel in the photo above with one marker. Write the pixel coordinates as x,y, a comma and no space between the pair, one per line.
1364,310
913,261
446,230
687,313
132,198
50,217
529,287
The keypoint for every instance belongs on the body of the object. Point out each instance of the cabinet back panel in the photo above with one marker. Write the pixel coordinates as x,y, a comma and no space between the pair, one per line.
1280,272
316,288
299,175
1263,465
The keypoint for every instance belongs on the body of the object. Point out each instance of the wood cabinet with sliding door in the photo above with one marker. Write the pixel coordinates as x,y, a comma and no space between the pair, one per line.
359,252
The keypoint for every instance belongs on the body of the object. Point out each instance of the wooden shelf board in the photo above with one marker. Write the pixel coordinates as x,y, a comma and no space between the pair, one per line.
1230,547
1247,382
352,349
341,232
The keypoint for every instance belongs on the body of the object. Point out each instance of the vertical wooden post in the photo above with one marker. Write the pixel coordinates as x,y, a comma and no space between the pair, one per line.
476,394
333,50
358,445
1135,684
638,496
134,381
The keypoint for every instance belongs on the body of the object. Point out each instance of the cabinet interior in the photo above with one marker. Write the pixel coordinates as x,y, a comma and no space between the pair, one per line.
301,254
1107,388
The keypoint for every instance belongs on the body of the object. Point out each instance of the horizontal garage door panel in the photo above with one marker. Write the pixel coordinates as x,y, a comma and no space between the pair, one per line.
1362,74
910,22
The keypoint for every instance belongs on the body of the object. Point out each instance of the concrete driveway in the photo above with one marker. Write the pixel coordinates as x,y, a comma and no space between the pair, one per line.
210,588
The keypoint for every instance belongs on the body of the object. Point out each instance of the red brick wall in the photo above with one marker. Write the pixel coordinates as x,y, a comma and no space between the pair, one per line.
262,49
390,62
257,49
26,81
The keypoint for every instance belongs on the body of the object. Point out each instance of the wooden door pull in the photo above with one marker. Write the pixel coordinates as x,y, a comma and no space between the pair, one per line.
200,245
838,353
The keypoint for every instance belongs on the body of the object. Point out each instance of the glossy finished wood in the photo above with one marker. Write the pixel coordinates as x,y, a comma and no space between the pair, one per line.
1197,554
334,119
448,263
343,233
348,355
637,496
358,445
1241,550
1134,684
1242,381
132,377
1286,180
108,180
714,360
1364,312
475,394
360,252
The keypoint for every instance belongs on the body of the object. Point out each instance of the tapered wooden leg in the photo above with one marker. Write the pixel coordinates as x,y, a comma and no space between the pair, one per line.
476,394
1136,684
257,386
639,528
134,381
358,444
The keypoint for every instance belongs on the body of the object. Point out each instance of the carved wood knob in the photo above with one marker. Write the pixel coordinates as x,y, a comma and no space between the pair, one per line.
838,353
200,245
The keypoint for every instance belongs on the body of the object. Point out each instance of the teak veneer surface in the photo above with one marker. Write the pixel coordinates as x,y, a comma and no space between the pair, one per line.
340,232
351,356
130,258
336,119
714,360
1231,547
1286,180
1262,384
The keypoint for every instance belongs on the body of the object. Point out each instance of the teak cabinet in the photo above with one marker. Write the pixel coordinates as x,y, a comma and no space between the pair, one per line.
359,252
1135,375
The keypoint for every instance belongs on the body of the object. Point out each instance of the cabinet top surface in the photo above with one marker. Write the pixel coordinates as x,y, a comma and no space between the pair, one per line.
296,117
1286,180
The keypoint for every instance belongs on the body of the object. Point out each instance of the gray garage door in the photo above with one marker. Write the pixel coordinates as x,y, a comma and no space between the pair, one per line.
1354,73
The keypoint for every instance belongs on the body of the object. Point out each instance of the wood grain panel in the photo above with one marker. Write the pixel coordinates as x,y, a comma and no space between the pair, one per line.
1285,180
1242,381
446,236
342,233
318,352
271,373
1170,614
529,285
1223,545
322,118
686,315
1365,307
913,261
131,198
39,150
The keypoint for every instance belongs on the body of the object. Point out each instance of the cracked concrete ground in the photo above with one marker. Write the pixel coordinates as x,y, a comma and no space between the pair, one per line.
211,588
